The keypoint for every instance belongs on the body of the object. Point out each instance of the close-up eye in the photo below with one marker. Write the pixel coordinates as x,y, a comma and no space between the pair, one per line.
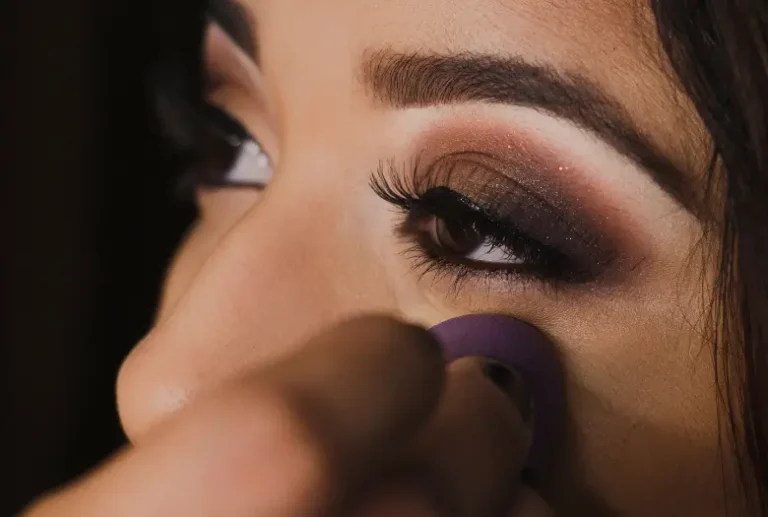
510,235
228,155
202,110
464,239
460,237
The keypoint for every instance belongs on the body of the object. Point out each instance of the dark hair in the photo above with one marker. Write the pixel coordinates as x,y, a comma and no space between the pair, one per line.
719,50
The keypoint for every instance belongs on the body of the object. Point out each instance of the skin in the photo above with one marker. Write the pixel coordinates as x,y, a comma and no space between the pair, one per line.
263,271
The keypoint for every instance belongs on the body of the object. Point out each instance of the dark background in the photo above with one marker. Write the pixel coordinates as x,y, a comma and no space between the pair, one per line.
90,222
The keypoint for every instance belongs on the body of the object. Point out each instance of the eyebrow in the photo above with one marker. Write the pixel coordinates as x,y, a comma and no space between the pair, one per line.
421,80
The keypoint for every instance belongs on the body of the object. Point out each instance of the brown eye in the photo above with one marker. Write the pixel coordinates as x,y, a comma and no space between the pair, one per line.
448,226
465,241
229,155
457,238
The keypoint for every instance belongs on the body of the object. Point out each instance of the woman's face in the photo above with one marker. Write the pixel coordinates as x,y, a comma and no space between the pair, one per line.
435,158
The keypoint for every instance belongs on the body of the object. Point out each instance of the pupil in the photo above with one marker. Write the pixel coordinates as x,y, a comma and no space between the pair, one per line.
457,238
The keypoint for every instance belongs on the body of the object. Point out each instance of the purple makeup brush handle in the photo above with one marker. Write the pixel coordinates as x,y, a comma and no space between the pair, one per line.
522,347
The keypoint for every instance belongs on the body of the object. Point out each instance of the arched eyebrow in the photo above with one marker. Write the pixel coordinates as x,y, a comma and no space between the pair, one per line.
402,80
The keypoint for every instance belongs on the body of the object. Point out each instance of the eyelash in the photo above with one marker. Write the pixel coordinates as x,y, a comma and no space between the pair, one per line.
431,198
216,160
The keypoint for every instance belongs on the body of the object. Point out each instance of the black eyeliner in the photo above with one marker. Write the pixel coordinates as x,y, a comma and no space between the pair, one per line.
225,125
554,249
541,259
234,20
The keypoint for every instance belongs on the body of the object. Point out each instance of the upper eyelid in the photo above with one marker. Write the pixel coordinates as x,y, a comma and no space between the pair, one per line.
226,63
236,21
502,232
390,182
249,107
403,80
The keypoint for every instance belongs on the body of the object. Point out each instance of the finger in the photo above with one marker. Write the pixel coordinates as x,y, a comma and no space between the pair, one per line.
473,452
368,382
407,500
400,499
275,443
528,503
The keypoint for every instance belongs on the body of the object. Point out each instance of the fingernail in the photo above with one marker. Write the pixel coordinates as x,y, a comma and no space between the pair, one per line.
512,383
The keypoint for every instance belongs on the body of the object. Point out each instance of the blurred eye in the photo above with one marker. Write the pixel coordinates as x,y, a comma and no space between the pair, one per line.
229,155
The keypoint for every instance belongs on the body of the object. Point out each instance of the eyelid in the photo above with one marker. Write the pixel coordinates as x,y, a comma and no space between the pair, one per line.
235,21
512,208
227,156
237,85
226,62
483,179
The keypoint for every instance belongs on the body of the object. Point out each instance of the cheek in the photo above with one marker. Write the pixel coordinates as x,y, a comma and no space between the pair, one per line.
643,407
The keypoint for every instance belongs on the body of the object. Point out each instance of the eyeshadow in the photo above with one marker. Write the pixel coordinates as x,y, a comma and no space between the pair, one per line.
518,209
234,20
522,177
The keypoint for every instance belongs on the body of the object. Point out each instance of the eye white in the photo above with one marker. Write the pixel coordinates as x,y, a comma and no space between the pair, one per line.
488,253
252,166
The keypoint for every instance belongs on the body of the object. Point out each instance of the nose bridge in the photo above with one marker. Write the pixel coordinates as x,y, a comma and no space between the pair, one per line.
295,251
293,264
283,254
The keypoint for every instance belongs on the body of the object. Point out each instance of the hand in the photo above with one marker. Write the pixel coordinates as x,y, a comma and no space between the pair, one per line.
365,421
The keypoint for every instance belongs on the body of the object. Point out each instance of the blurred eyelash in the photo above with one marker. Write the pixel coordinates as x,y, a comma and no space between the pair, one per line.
214,149
178,99
429,194
203,141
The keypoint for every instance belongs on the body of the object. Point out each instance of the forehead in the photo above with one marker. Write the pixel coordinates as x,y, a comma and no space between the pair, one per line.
613,43
559,29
